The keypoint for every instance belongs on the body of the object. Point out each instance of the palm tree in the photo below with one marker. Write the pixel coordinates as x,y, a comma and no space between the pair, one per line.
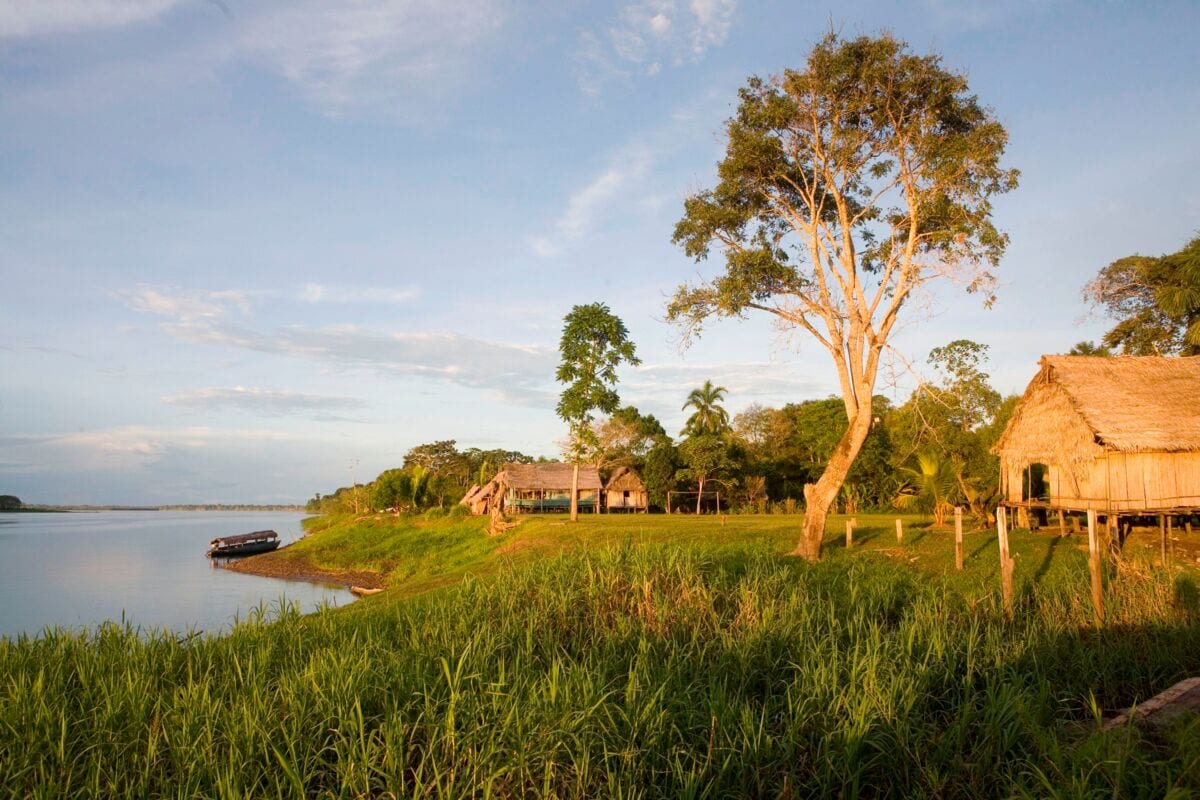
709,417
930,484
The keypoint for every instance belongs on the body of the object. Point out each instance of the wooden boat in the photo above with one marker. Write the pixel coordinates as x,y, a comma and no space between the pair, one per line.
244,544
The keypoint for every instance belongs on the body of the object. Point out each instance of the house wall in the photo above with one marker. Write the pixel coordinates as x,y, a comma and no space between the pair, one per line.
616,499
1117,481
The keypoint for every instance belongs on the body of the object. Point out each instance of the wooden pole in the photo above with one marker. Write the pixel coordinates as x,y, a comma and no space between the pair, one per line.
1162,533
1074,524
899,531
958,543
1094,566
1005,561
849,534
668,502
1062,523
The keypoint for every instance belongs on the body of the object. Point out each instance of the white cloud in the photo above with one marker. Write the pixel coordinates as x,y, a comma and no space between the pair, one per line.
323,293
38,17
585,206
646,33
516,373
269,402
186,305
348,53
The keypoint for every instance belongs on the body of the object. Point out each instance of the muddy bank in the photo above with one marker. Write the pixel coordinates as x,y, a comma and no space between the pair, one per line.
280,565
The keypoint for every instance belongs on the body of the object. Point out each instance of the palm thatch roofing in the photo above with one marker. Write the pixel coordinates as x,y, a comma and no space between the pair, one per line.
624,479
1124,403
551,476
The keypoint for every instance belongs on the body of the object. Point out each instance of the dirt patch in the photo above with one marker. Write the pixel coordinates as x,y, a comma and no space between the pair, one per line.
277,565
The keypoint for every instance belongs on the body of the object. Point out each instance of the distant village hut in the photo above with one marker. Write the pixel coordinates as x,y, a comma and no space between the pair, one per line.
1116,436
625,491
534,488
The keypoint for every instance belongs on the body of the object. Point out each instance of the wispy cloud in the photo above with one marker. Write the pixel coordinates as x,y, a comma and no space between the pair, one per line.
324,293
38,17
514,372
628,166
267,402
185,305
354,52
648,34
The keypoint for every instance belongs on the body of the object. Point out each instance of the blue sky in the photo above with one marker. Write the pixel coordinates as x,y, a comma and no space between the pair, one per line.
253,250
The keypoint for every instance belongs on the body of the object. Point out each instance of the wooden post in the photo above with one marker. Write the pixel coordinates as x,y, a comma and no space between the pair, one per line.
1094,566
1187,526
1062,523
668,502
1074,524
1005,561
958,543
1162,533
899,531
849,533
718,503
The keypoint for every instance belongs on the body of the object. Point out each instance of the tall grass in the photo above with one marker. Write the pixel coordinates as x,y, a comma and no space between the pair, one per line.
635,672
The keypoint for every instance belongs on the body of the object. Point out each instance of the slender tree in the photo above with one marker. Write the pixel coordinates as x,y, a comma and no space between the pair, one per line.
709,416
847,186
594,343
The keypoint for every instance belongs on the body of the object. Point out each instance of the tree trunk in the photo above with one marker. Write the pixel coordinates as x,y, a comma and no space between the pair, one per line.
575,494
820,496
699,496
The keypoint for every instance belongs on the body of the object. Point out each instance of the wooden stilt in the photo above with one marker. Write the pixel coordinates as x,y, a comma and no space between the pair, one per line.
1094,566
1074,524
1005,560
958,543
1062,523
1162,535
899,531
849,534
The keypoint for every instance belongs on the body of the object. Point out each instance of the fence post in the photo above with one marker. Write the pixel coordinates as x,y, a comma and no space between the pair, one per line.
1094,565
958,543
899,531
1005,561
849,534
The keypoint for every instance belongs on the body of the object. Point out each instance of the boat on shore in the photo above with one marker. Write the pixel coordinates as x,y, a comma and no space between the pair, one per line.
244,544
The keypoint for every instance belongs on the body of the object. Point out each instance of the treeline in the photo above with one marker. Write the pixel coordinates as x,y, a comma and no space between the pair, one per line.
929,454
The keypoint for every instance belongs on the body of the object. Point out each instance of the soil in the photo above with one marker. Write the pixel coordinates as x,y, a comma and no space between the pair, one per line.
278,565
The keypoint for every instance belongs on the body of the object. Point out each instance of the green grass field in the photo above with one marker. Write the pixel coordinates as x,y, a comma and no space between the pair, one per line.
631,657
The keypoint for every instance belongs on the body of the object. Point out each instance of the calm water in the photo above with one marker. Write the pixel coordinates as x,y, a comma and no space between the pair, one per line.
79,569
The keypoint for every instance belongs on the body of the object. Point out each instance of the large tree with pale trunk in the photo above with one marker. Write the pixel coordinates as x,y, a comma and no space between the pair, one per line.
594,343
845,188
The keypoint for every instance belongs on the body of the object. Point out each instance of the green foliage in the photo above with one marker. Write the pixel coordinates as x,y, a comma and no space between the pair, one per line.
594,343
712,669
9,502
1089,348
1155,301
709,416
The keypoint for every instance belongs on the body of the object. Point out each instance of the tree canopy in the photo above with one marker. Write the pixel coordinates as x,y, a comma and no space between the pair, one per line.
845,187
1155,301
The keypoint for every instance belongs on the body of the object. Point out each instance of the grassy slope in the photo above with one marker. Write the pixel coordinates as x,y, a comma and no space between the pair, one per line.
572,661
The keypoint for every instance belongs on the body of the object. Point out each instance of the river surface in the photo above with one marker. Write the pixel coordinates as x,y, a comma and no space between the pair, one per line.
78,569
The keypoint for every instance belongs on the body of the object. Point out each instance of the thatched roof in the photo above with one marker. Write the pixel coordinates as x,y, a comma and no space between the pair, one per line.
551,476
624,479
469,497
1126,403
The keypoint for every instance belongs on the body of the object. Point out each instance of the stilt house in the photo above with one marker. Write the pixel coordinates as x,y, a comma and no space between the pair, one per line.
1115,435
525,488
624,491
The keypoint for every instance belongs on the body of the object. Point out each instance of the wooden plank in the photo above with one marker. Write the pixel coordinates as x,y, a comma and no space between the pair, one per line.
1162,709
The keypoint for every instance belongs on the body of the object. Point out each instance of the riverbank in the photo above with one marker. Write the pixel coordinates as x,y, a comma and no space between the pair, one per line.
280,564
650,657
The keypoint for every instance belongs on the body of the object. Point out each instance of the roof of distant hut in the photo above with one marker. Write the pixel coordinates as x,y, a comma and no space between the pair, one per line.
624,479
1077,405
551,476
469,497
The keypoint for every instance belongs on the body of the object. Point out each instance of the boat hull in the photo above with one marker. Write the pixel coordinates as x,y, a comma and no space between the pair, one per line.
235,550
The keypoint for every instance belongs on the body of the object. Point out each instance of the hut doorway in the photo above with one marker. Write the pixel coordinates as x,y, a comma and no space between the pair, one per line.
1035,484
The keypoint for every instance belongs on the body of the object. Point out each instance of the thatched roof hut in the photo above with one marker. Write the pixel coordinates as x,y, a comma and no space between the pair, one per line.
625,491
1117,435
520,488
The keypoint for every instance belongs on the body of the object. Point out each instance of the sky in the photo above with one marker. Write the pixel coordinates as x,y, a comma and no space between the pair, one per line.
255,250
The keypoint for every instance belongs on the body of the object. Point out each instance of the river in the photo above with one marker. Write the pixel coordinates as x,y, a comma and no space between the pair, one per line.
148,568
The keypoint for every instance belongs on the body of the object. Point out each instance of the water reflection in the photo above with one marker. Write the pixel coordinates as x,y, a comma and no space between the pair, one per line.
146,567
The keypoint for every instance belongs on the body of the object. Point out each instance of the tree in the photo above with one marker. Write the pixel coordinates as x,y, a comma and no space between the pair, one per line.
594,343
9,502
1089,348
846,187
709,417
705,455
1155,300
